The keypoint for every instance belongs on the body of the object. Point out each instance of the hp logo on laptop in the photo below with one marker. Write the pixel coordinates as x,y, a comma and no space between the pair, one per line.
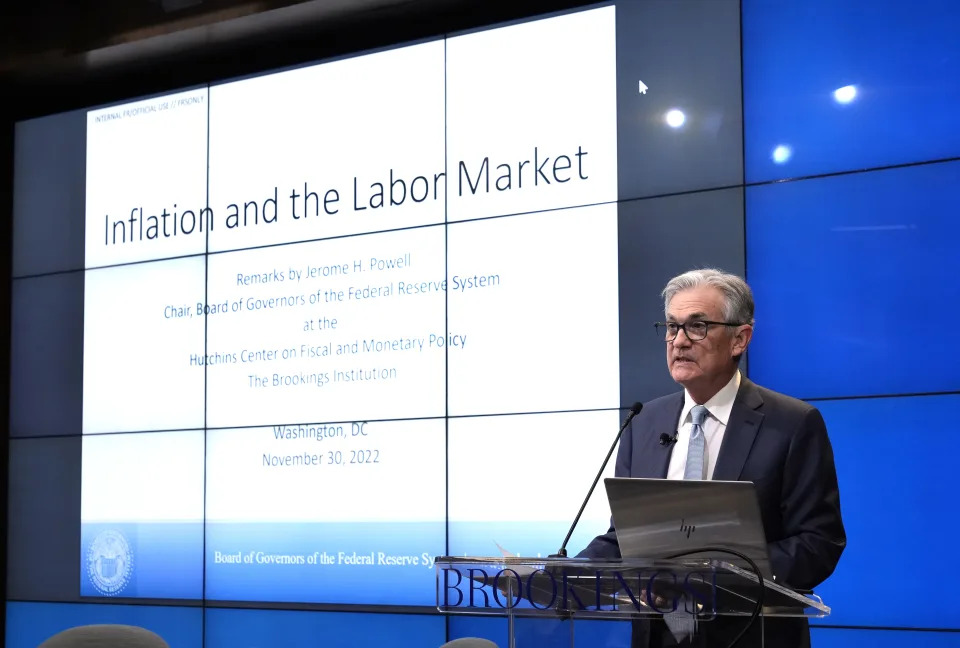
687,528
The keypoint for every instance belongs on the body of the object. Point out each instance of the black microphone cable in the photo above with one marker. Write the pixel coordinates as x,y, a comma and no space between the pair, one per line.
758,607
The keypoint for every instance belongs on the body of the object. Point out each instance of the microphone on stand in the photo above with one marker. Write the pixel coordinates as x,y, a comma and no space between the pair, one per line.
634,410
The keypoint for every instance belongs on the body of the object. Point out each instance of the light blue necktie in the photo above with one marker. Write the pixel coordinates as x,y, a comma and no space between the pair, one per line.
681,625
694,468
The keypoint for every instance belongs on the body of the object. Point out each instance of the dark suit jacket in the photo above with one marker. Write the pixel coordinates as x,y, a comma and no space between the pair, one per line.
781,445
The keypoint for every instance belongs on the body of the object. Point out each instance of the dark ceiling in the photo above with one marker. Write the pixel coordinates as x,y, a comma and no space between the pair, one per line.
64,54
37,31
38,36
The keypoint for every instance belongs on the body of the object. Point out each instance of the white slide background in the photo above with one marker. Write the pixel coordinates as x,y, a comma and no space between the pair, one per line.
549,85
149,154
406,484
325,126
535,330
332,337
150,477
531,469
140,328
544,336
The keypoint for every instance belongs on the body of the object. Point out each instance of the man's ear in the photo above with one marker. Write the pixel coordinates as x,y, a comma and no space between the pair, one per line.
741,339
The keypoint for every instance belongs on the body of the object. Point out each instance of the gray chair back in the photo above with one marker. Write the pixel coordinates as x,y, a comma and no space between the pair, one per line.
105,636
469,642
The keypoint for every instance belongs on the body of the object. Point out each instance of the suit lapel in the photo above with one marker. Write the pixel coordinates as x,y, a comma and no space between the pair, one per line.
742,428
654,459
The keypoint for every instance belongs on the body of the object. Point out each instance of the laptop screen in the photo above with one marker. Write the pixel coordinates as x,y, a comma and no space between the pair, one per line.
660,518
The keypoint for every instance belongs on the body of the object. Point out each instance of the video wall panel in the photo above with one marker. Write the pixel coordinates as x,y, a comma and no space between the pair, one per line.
224,628
286,338
893,499
874,250
832,87
839,637
288,287
30,624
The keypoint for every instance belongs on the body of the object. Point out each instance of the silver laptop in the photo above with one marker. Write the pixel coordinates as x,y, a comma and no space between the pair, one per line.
658,518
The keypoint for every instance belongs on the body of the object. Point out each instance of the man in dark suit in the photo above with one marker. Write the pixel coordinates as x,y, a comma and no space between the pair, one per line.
746,433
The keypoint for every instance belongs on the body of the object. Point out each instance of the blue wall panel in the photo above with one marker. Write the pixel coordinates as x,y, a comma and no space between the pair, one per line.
234,628
899,510
29,624
902,57
851,275
844,638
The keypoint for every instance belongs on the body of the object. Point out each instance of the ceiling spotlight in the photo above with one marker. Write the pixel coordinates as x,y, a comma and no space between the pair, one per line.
845,95
675,118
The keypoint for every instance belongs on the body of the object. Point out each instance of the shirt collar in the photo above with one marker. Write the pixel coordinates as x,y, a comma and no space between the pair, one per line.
719,406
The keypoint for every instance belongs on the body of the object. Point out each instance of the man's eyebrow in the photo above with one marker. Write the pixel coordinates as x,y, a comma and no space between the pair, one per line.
693,316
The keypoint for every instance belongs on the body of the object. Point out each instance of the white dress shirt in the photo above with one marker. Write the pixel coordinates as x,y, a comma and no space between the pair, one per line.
714,425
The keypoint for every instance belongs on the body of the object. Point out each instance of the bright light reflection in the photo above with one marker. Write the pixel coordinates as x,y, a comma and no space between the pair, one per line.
845,95
675,118
781,153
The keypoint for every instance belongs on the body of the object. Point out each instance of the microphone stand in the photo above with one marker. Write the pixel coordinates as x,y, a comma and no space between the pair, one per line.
634,410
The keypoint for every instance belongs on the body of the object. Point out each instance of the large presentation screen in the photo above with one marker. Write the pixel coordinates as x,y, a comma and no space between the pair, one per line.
306,293
308,330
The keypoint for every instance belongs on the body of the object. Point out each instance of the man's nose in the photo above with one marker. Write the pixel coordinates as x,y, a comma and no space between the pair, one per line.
682,340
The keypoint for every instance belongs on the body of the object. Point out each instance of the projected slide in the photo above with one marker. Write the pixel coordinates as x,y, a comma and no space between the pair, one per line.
501,465
350,146
314,276
352,513
147,180
137,329
332,330
532,116
142,515
546,338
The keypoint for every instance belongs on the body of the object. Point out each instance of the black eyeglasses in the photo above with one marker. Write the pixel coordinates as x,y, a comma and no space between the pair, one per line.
695,330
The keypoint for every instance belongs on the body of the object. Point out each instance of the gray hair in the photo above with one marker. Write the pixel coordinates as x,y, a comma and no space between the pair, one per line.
737,296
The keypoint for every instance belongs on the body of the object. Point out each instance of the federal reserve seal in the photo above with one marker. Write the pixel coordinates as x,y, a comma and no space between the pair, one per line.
109,562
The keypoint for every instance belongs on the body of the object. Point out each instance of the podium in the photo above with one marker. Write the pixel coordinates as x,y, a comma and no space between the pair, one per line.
547,602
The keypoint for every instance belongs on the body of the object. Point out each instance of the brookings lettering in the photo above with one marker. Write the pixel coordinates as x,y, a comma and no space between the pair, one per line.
653,592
